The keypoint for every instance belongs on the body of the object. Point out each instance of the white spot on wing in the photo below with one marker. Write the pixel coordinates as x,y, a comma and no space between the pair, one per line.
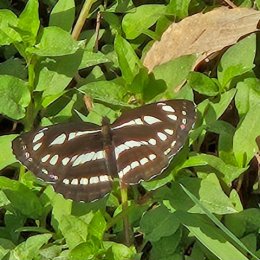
59,140
152,157
172,117
167,151
168,131
75,182
184,112
103,178
126,169
119,149
134,164
138,121
168,109
38,137
65,161
144,161
94,180
161,104
45,158
132,122
75,134
37,146
173,143
45,171
162,136
54,159
84,181
27,155
83,158
151,120
66,181
152,141
184,121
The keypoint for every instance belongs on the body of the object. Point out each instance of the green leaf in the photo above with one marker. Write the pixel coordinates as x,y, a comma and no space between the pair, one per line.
7,34
5,247
55,42
174,72
21,197
248,95
244,142
63,15
14,67
97,225
106,91
74,230
166,247
237,60
29,249
6,157
202,84
128,61
29,22
14,97
93,58
158,222
148,14
179,8
210,236
120,251
226,172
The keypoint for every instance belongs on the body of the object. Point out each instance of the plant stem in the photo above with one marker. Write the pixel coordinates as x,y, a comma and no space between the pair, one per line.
127,228
82,18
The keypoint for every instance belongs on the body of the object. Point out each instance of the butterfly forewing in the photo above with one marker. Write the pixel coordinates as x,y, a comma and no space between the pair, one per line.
69,156
147,138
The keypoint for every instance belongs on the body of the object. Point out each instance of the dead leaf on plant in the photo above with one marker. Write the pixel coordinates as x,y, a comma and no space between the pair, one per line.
203,34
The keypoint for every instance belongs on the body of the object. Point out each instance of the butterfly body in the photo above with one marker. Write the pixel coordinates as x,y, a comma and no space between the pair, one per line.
81,159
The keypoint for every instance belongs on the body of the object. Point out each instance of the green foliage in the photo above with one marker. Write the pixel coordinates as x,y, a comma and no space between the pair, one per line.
195,210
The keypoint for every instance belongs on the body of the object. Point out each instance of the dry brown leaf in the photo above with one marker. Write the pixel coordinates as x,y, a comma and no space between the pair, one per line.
203,34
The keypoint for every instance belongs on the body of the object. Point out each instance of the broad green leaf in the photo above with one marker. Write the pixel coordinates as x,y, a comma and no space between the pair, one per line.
217,107
106,91
179,8
28,23
166,247
120,251
226,172
21,197
29,249
244,142
5,247
74,230
148,14
7,34
158,222
248,95
237,60
14,67
120,6
210,236
245,222
63,15
51,251
14,97
93,58
202,84
85,250
97,225
174,72
127,58
55,42
6,154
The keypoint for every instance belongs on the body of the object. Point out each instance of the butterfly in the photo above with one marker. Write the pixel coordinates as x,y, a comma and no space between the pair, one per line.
81,159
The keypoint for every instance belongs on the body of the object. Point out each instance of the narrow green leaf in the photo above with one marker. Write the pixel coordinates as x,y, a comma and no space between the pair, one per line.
128,61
